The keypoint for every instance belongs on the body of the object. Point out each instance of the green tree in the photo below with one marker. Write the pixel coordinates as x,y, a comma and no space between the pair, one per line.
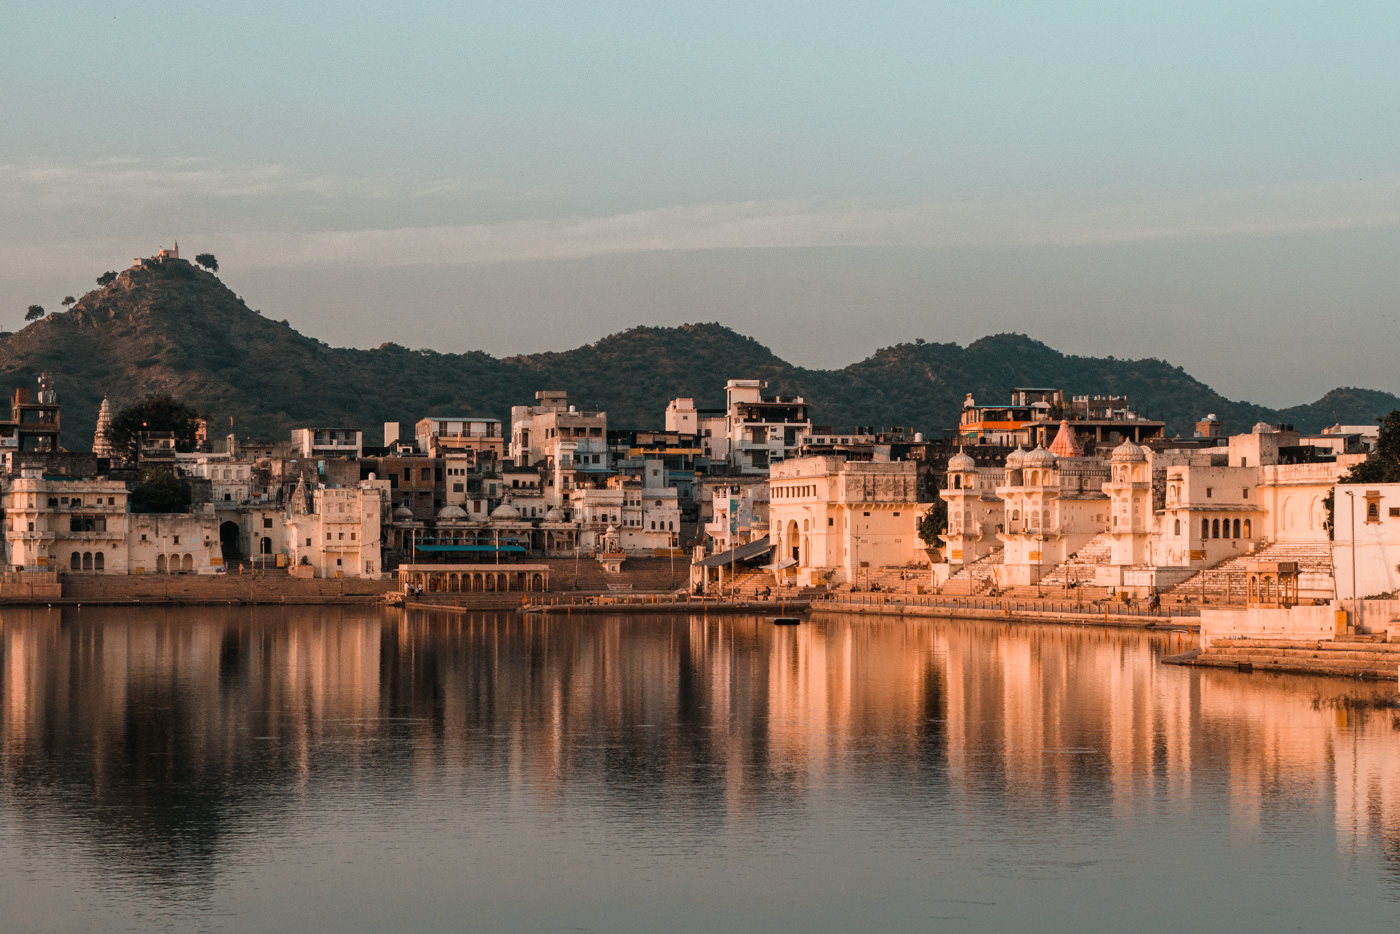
107,278
68,301
159,490
208,261
1383,464
35,313
155,413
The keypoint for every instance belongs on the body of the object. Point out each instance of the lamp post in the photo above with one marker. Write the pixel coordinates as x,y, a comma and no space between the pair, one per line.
1355,606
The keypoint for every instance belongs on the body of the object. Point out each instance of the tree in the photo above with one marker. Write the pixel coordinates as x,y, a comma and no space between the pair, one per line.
35,313
107,278
208,261
68,301
159,490
155,413
1383,464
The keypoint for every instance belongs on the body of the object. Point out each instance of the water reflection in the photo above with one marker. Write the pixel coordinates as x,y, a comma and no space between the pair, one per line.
160,746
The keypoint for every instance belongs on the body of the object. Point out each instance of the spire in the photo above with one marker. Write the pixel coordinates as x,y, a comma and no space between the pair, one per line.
1065,443
102,438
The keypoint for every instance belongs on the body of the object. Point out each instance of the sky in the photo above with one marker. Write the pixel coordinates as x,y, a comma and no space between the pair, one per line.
1214,184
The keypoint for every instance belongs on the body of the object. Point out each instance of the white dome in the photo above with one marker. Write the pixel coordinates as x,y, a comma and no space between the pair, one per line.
1040,458
1016,459
505,511
555,514
403,512
452,512
961,463
1128,453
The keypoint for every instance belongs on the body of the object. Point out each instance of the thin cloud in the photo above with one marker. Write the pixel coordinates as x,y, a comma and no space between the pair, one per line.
121,182
794,223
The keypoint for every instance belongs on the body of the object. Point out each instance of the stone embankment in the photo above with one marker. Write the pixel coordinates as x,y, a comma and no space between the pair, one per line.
1071,612
1355,657
221,588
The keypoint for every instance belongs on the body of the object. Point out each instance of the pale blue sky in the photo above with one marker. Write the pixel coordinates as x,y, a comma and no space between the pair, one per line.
1215,184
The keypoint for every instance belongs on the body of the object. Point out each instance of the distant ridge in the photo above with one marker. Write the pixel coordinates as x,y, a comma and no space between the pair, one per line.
170,326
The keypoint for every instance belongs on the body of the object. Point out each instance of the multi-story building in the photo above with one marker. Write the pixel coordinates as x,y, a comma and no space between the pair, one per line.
831,518
536,430
751,433
337,533
71,525
328,442
438,436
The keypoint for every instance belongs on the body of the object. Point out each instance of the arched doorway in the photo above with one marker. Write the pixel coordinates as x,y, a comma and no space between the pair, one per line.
230,542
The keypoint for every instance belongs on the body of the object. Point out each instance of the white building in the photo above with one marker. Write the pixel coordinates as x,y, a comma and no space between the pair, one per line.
1366,539
328,442
337,534
830,518
65,525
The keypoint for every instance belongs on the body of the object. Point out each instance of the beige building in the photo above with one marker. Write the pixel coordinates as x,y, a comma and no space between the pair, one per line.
336,533
65,525
536,430
830,519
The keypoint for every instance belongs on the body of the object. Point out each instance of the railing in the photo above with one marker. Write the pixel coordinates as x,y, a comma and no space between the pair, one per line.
1006,605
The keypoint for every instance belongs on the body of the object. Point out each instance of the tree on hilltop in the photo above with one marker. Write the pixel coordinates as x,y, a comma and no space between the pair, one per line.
68,301
208,261
107,278
34,313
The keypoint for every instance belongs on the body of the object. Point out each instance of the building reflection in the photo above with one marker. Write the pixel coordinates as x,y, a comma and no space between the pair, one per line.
159,735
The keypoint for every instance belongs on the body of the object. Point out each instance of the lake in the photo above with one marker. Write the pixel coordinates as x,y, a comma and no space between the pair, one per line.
358,769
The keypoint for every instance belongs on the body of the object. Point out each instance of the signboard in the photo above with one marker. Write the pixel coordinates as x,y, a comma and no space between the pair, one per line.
1035,556
1198,555
733,516
955,554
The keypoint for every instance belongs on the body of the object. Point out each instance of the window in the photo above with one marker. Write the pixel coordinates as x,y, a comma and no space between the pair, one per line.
830,520
1205,529
1215,528
267,522
99,561
1177,530
75,562
1395,512
1244,494
1237,529
175,539
1208,492
1247,529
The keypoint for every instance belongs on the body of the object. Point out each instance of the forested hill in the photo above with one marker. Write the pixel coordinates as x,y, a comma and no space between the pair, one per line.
172,327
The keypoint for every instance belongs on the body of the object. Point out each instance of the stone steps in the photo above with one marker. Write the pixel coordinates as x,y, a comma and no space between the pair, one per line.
1375,660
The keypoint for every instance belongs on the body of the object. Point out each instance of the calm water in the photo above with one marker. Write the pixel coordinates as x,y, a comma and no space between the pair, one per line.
323,770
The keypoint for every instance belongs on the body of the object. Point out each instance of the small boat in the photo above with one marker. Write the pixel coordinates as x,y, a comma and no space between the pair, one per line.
785,620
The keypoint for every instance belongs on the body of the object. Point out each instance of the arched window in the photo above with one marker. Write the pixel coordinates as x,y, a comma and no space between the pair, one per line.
1205,529
87,561
957,482
1215,528
99,562
1177,530
1237,529
1373,511
76,562
1248,533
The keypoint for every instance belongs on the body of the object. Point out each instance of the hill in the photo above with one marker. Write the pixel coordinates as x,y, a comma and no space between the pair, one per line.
170,326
